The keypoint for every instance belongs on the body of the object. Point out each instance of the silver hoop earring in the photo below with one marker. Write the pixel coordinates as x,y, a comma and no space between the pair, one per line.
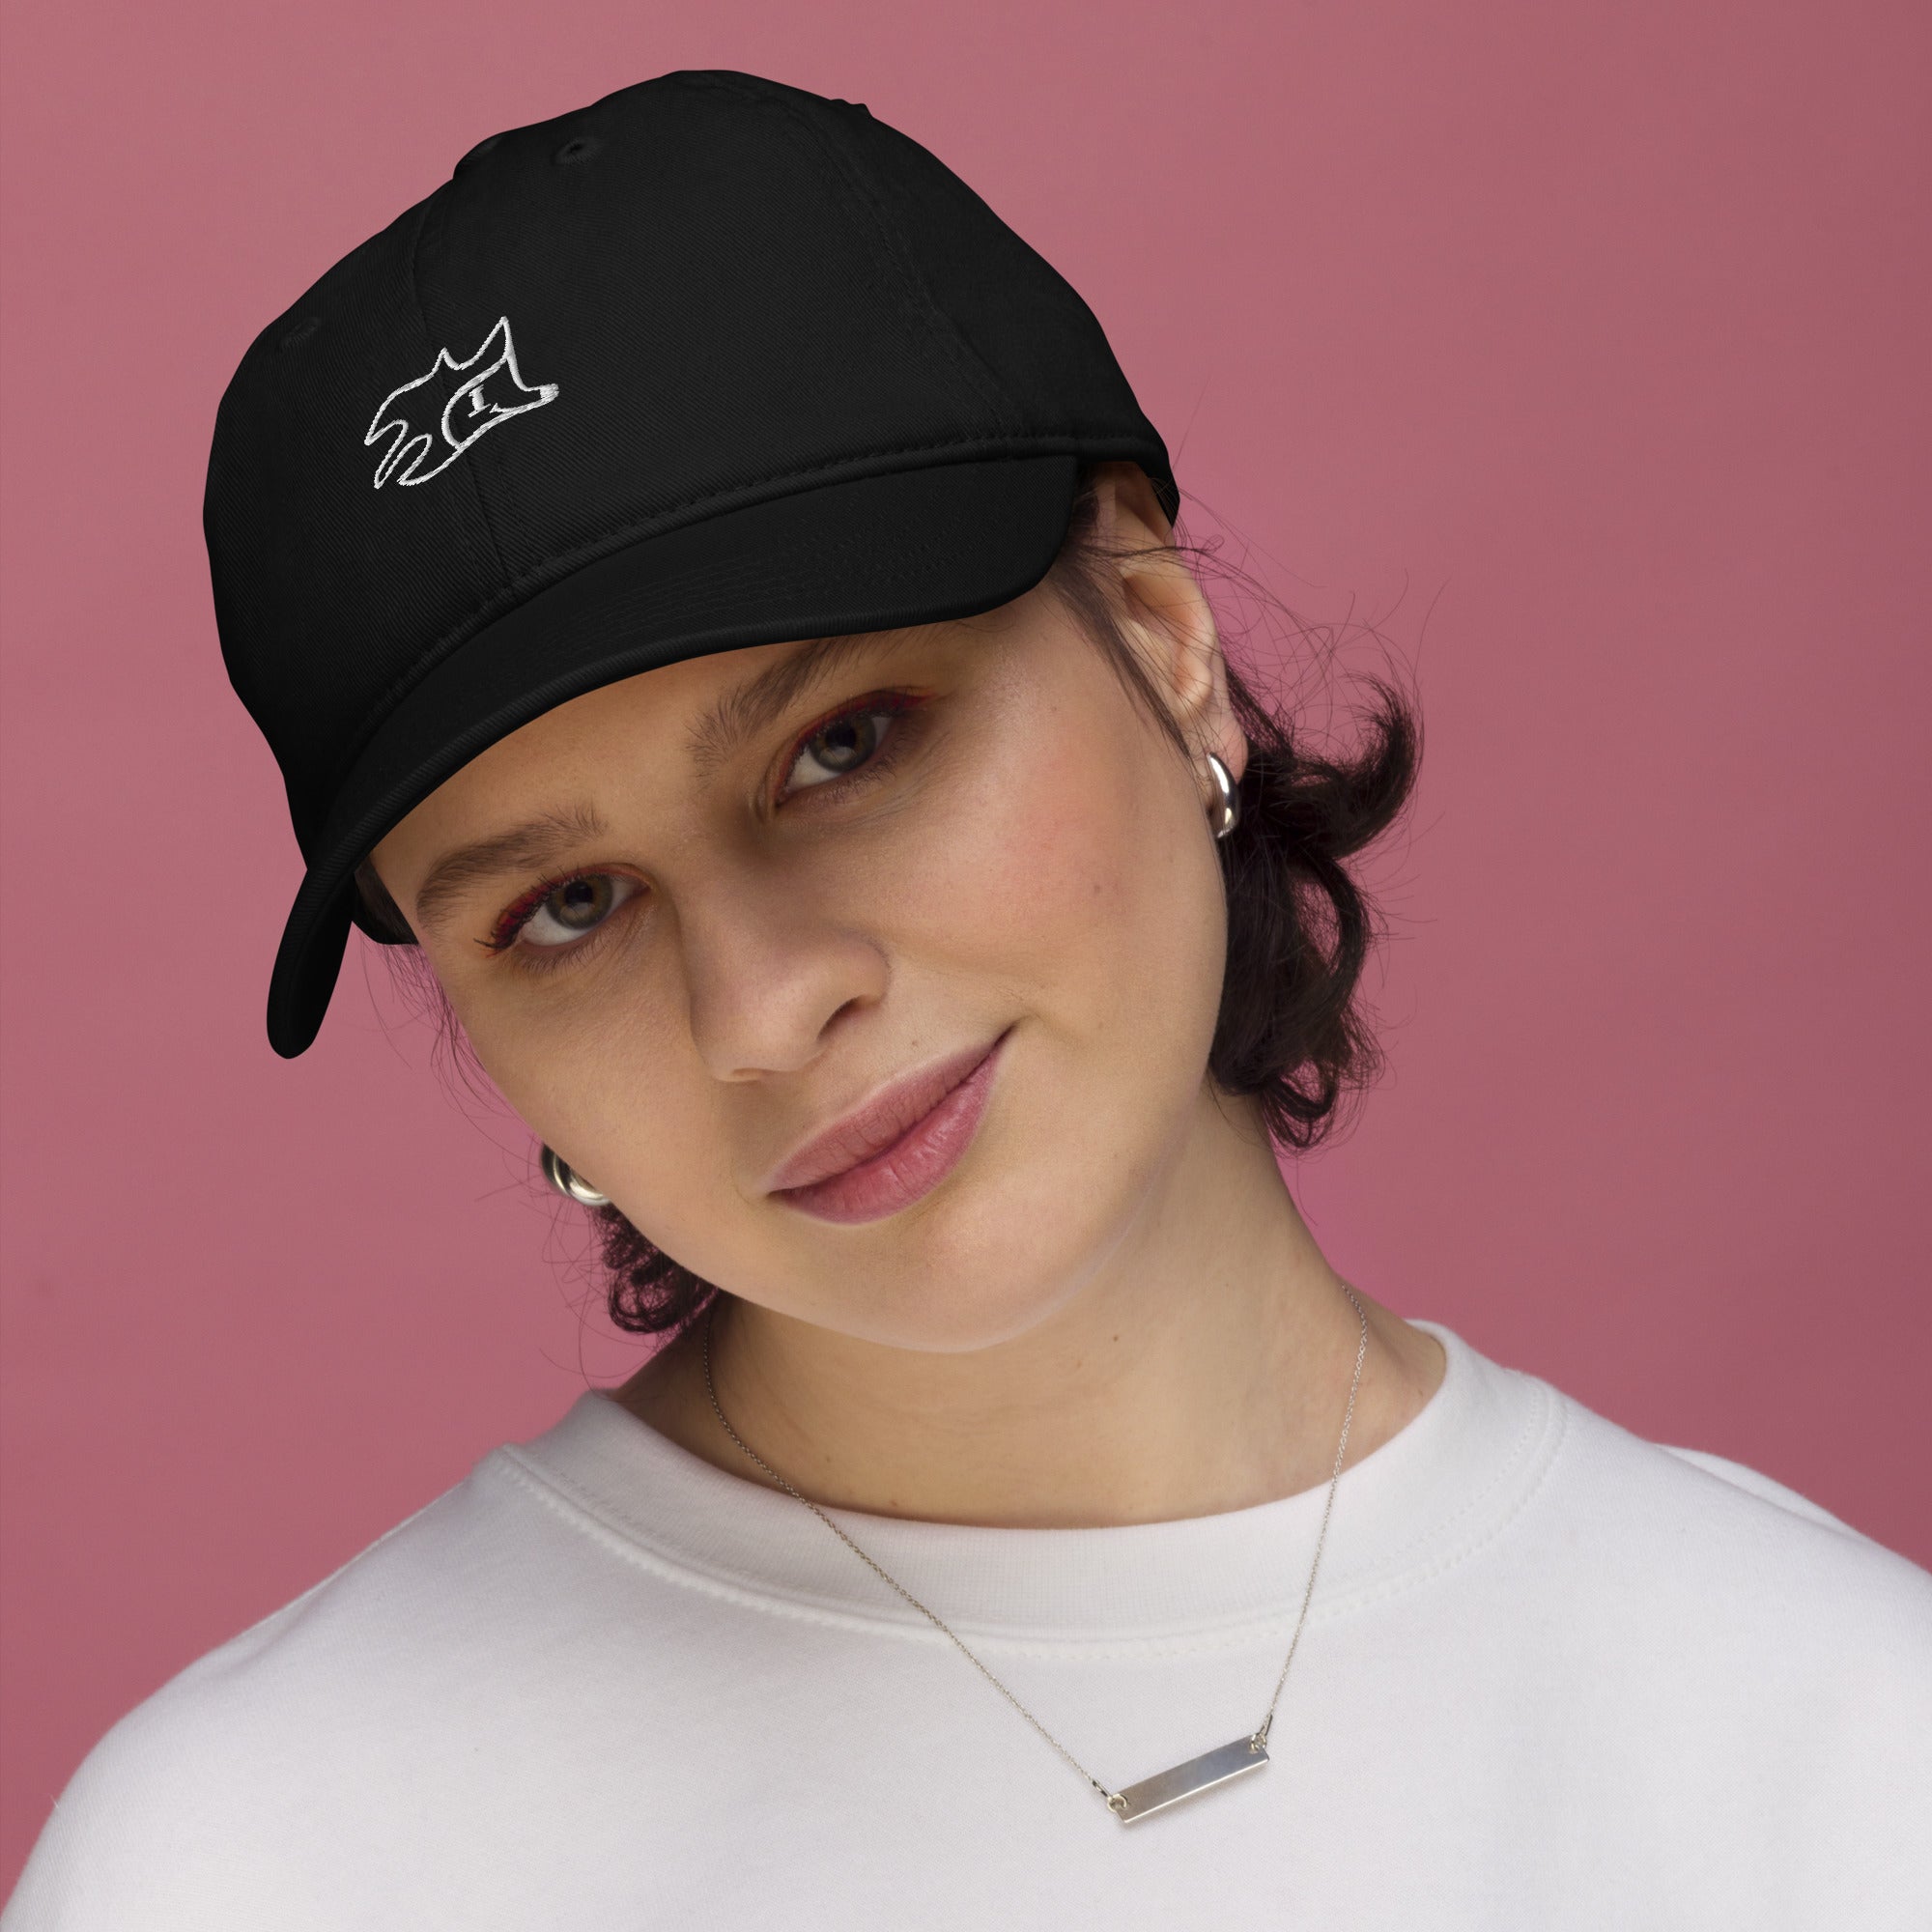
1228,808
559,1175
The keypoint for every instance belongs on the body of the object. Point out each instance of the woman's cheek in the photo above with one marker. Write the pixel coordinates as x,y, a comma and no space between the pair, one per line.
577,1077
1085,885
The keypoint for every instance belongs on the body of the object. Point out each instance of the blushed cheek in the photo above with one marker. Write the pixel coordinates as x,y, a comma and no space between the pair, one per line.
1073,886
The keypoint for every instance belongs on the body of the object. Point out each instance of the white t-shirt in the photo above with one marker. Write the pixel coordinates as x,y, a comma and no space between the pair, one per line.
1553,1675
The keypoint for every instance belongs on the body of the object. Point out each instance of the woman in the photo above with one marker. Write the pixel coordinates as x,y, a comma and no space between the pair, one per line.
713,596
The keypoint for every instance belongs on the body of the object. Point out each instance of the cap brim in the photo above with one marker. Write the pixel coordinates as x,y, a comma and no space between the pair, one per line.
870,554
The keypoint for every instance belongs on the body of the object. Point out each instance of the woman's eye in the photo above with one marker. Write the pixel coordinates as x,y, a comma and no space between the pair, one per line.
554,915
841,747
578,906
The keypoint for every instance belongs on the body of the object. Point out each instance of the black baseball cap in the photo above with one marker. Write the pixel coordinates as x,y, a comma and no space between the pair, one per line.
712,362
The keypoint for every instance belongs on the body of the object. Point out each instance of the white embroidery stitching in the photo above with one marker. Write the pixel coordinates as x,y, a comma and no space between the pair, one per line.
478,412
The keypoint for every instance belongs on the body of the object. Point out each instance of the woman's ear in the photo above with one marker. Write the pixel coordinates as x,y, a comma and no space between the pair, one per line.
1129,511
1167,616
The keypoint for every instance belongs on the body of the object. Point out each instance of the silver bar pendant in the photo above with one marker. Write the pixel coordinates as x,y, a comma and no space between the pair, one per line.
1199,1773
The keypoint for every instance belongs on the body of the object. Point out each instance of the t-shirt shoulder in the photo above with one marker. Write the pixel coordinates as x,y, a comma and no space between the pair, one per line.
1674,1533
196,1799
1754,1481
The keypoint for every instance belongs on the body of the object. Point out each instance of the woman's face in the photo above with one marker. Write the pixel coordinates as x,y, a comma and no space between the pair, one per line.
750,920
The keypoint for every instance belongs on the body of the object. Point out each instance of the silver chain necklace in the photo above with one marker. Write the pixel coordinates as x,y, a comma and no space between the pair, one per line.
1211,1769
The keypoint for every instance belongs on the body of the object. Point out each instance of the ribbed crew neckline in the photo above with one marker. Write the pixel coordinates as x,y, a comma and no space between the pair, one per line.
1421,1501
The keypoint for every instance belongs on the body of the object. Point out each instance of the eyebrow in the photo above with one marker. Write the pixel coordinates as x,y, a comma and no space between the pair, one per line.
740,714
523,848
745,711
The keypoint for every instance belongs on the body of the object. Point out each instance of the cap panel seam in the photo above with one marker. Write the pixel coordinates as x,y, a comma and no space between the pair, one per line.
973,365
915,296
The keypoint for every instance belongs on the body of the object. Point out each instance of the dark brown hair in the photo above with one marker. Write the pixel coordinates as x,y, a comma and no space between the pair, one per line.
1291,1033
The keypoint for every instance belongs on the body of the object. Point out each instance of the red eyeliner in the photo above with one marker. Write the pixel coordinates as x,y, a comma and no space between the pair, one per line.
518,912
897,702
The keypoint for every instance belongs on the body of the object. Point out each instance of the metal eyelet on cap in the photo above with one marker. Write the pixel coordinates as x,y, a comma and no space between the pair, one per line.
578,148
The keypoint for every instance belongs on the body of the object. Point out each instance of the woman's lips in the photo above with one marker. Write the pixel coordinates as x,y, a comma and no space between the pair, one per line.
913,1164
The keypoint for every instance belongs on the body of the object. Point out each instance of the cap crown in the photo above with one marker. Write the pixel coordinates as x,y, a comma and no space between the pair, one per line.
695,294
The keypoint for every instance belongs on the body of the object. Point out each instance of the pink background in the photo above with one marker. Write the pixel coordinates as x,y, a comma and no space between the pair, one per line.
1582,348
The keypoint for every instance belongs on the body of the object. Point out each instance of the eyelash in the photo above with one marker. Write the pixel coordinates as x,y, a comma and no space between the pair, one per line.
900,704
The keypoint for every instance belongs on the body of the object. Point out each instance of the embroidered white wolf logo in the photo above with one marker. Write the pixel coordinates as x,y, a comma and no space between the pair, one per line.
493,392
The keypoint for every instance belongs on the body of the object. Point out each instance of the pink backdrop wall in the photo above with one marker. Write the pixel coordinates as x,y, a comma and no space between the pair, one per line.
1580,346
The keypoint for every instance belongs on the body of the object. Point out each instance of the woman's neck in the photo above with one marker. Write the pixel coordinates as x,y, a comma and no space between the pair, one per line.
1203,1368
